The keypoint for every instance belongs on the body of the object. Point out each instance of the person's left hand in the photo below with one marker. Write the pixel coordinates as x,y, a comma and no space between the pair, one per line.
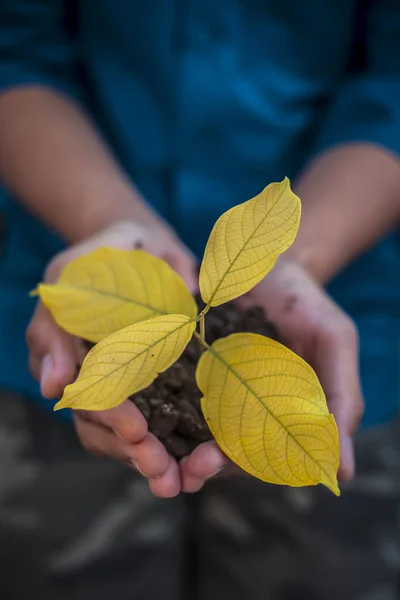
310,323
54,358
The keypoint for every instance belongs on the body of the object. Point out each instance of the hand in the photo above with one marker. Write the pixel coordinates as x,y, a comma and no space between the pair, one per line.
313,326
54,355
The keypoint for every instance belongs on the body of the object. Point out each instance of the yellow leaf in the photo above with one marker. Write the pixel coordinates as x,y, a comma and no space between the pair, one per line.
267,411
108,289
246,242
127,362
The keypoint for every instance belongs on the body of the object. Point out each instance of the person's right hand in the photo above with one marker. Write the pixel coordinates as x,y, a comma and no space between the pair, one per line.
311,324
55,356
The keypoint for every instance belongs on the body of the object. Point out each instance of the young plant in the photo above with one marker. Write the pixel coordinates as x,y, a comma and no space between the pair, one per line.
263,404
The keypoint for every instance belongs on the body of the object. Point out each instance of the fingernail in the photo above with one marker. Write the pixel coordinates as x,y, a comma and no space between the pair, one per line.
120,437
217,472
136,465
46,369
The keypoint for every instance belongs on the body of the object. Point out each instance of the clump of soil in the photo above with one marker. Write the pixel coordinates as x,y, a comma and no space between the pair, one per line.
171,405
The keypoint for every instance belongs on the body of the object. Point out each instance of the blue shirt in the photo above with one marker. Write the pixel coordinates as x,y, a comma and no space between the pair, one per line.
204,103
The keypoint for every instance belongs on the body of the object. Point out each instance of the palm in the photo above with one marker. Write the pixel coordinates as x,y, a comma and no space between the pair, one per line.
310,323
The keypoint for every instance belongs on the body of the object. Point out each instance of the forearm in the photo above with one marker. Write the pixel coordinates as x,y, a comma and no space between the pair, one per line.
351,198
57,165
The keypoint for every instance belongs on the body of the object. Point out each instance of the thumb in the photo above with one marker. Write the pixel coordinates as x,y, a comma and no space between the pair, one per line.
59,366
53,354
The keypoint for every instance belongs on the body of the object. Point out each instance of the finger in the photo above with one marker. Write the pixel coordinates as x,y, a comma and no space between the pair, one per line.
206,461
347,466
54,354
167,485
97,440
150,457
125,420
338,370
190,483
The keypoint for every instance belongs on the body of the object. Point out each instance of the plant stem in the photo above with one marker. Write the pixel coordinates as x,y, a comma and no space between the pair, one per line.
202,327
206,309
203,343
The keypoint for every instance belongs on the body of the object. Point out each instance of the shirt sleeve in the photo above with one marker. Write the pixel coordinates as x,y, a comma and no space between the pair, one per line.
367,107
36,47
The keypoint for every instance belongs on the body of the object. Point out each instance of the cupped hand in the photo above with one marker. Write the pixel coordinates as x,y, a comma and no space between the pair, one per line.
55,356
311,324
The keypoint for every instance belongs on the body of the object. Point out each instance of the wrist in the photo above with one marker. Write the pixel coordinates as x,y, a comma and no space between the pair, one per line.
312,259
126,207
349,200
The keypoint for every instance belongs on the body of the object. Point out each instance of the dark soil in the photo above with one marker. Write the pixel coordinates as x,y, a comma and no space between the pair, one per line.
171,405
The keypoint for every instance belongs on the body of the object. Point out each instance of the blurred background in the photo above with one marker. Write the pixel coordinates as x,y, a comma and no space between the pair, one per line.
237,538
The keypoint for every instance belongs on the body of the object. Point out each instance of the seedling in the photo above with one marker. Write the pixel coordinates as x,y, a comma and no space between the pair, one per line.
263,404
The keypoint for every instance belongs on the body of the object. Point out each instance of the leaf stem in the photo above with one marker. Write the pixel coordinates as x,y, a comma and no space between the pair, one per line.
206,309
202,327
202,342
